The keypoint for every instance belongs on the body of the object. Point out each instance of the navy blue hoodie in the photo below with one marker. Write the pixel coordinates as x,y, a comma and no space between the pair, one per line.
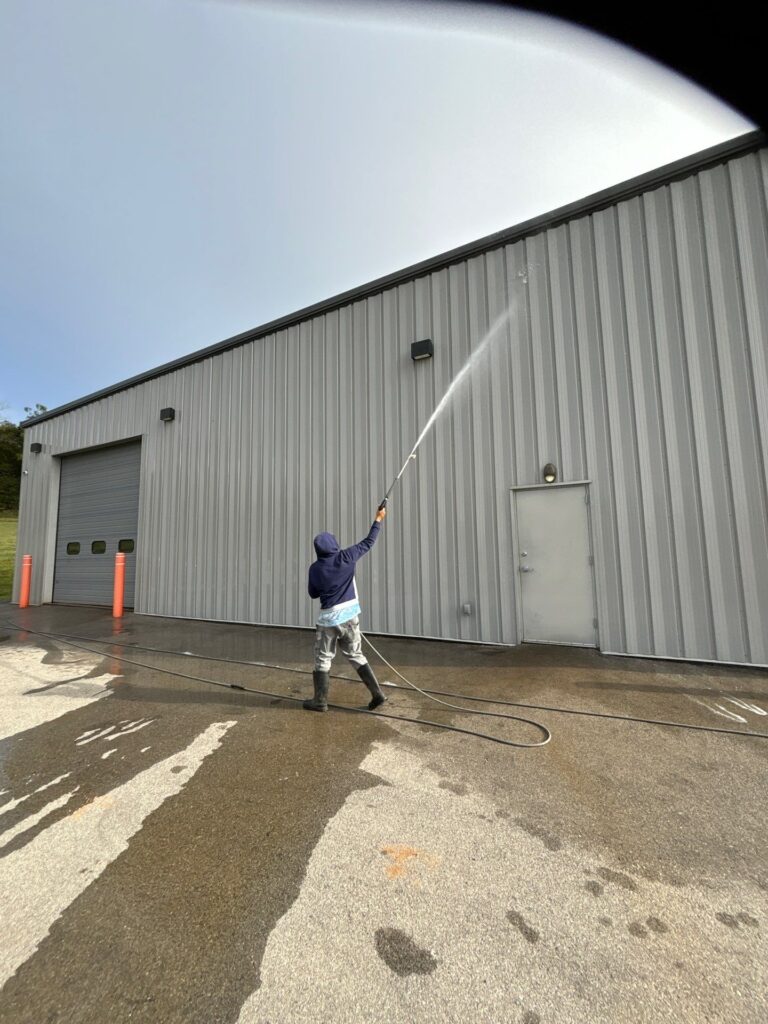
332,577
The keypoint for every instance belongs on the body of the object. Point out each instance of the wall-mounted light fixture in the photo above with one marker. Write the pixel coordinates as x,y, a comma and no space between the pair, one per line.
422,349
35,447
549,473
166,415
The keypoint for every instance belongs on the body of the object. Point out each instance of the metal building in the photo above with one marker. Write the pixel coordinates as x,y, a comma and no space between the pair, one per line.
630,353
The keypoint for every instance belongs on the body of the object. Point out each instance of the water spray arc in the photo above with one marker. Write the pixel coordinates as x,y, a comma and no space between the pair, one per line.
457,380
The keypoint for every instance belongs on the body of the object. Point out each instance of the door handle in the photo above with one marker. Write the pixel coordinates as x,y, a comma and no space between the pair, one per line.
525,568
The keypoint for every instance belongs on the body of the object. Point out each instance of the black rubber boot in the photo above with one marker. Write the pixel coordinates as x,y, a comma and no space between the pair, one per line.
320,700
366,674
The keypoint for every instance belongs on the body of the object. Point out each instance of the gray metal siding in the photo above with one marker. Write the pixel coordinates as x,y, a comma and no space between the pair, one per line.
635,357
98,501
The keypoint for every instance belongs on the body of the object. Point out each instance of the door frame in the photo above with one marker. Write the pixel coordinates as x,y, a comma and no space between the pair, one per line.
518,587
55,498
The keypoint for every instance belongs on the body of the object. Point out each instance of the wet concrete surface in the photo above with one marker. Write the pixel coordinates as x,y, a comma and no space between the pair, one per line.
312,867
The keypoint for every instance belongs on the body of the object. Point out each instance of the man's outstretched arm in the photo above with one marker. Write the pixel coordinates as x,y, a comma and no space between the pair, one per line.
356,551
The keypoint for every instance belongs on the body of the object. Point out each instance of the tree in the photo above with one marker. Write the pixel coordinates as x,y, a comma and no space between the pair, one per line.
11,447
11,442
37,411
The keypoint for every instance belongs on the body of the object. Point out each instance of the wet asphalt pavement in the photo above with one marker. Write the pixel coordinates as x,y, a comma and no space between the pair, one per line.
175,852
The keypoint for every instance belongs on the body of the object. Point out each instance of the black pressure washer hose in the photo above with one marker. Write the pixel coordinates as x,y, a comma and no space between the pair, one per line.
438,725
68,640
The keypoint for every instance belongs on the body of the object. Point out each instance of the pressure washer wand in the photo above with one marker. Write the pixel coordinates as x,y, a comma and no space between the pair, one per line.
392,486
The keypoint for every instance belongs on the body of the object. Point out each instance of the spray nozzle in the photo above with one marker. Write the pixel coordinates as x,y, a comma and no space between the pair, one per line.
383,504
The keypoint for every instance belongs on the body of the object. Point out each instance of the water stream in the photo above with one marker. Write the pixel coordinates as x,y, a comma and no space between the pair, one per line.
466,369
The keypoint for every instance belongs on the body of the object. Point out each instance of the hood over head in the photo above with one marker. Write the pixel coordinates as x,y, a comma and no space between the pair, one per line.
325,544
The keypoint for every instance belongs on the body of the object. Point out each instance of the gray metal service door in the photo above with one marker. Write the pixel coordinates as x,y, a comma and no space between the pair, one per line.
98,516
555,566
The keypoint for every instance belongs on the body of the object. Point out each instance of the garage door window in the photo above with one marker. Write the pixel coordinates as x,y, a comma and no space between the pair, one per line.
73,548
126,546
98,547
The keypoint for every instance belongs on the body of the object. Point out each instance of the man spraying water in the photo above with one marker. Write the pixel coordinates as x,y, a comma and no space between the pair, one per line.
332,579
332,576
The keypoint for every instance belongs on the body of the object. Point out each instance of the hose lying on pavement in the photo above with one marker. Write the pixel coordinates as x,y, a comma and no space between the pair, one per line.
429,693
69,641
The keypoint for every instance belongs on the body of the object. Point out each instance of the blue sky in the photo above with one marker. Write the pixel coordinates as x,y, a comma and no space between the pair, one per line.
177,171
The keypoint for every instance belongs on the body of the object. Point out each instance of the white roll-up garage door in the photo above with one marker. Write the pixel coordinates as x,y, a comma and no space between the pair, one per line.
98,516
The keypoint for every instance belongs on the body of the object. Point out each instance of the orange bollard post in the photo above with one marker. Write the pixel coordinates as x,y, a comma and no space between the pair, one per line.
119,590
26,580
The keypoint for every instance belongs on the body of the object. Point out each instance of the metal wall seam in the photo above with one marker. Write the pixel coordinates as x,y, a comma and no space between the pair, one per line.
684,510
619,410
493,566
715,202
544,377
499,358
697,340
598,451
425,562
443,522
570,462
750,447
751,227
651,465
727,302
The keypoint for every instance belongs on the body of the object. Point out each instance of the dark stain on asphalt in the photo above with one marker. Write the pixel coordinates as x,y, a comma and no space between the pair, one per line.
656,925
637,930
529,934
618,877
531,1018
550,842
401,954
594,887
607,922
733,921
747,919
455,787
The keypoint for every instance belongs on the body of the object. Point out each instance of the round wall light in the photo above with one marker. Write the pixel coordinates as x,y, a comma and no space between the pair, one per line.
549,473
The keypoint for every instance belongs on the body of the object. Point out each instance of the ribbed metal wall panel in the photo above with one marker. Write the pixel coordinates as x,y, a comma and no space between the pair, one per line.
634,356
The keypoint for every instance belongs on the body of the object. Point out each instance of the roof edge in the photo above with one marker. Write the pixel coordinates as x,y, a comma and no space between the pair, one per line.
737,146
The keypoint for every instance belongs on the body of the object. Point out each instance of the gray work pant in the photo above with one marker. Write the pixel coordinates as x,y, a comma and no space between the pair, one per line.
349,639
